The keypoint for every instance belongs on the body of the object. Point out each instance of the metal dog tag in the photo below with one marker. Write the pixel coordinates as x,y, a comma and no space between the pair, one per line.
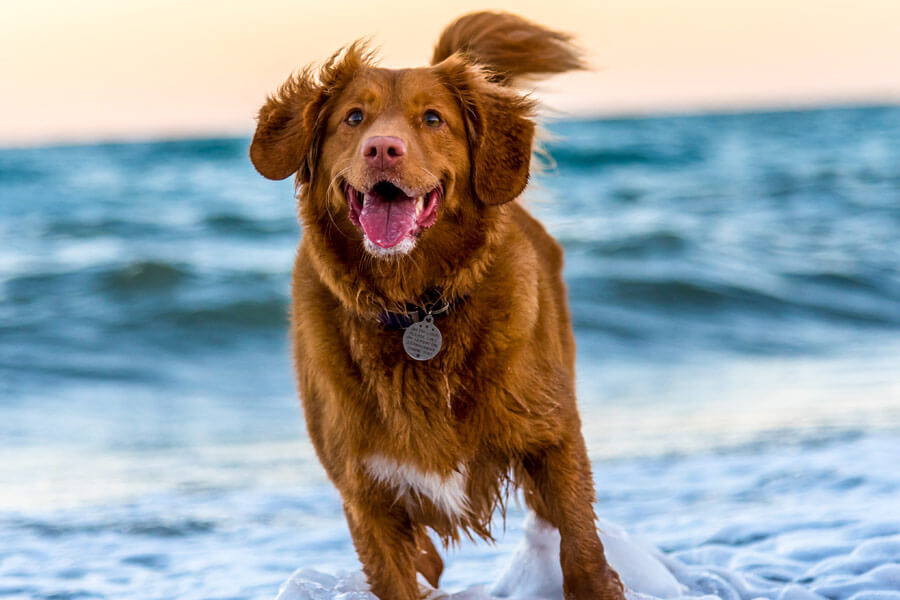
422,340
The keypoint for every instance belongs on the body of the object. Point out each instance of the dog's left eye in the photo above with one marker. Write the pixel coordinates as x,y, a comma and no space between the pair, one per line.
355,117
432,119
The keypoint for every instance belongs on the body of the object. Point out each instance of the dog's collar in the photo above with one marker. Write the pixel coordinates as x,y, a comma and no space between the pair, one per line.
431,303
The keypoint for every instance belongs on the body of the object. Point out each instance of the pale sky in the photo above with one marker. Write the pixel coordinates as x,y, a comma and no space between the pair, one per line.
123,69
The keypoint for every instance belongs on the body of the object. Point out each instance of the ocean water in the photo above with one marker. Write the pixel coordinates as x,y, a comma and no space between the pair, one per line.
735,288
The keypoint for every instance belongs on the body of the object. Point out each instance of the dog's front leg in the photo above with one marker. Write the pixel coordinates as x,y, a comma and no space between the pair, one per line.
561,491
385,542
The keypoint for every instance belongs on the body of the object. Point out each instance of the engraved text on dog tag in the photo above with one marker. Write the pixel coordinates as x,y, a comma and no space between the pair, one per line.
422,340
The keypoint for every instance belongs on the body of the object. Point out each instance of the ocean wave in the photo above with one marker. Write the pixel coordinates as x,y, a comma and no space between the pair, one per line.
14,171
264,314
711,298
149,528
210,150
659,243
144,275
573,157
242,225
766,233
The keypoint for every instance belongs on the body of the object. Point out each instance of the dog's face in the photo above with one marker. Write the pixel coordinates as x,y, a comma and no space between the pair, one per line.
396,157
395,144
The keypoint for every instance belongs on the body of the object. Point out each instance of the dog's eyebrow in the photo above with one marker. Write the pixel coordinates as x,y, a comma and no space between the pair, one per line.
363,96
427,96
367,96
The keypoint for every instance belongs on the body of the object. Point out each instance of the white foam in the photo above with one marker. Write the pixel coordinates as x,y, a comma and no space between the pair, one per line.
816,520
532,574
864,569
534,571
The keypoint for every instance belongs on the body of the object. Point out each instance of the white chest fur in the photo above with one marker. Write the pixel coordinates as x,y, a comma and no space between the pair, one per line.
447,493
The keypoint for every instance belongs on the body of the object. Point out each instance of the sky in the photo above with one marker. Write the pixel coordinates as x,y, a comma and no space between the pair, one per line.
79,70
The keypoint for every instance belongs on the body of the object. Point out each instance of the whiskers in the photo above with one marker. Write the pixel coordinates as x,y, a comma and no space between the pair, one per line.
434,177
339,174
336,189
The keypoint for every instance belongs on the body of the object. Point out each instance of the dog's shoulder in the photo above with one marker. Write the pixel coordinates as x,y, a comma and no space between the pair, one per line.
547,249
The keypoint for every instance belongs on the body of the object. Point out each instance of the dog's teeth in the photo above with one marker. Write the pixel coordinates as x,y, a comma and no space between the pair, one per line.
420,205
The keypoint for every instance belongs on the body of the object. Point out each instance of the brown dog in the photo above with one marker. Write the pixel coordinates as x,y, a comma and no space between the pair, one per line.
407,181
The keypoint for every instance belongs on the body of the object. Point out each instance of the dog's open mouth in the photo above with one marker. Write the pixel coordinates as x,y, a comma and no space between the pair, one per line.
388,216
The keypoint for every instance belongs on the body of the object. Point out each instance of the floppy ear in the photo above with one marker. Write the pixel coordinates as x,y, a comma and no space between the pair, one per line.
500,141
288,125
499,128
285,129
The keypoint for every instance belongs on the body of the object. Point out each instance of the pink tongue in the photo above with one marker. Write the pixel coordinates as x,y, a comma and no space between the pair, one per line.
387,222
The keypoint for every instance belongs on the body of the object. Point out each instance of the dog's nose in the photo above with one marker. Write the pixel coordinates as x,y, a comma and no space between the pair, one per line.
383,151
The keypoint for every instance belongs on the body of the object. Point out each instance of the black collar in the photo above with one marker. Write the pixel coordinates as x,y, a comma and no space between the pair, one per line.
430,303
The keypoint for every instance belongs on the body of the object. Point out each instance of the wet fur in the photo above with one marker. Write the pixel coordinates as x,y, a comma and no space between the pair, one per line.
496,407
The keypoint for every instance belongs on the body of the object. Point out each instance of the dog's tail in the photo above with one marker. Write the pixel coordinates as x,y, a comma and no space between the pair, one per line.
511,48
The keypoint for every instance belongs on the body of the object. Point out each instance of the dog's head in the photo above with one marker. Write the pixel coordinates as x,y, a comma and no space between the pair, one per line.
396,153
410,166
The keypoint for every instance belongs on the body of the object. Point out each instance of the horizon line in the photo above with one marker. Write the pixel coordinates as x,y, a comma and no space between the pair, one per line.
546,114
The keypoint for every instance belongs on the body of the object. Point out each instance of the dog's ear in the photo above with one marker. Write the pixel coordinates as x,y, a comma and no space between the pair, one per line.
483,56
285,129
500,142
499,127
291,121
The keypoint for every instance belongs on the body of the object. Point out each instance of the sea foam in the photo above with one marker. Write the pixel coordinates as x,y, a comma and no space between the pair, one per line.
870,571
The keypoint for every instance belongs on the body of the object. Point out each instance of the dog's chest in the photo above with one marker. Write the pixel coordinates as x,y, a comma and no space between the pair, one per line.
446,492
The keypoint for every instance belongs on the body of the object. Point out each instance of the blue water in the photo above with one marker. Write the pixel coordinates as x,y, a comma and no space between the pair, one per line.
735,288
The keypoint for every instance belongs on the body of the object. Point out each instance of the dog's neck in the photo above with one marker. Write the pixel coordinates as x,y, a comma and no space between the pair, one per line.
432,302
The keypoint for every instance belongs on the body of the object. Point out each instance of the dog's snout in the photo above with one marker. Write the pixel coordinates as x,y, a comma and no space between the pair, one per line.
383,151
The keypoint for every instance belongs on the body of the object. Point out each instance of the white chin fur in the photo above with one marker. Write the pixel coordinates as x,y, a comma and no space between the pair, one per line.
404,247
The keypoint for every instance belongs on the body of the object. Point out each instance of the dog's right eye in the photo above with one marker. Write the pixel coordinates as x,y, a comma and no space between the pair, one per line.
355,117
432,119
